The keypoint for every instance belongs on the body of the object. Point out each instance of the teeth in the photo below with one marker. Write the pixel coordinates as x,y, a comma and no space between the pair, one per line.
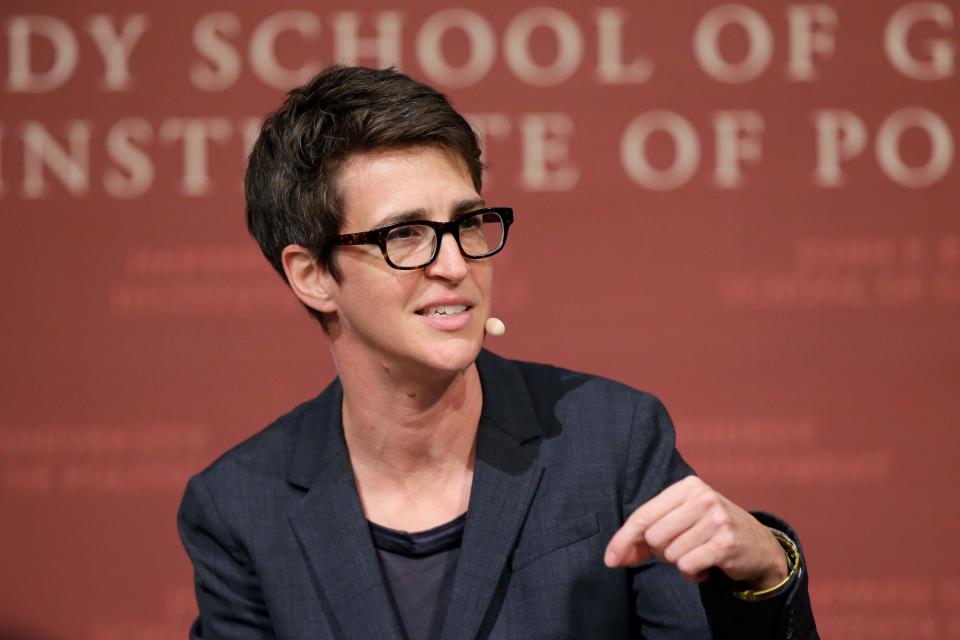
446,310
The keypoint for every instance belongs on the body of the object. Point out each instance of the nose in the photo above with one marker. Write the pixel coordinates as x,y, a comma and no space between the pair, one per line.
450,263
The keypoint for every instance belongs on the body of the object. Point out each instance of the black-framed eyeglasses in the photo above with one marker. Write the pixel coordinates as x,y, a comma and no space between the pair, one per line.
416,243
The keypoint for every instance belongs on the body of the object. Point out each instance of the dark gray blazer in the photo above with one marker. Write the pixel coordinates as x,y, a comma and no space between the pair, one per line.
281,547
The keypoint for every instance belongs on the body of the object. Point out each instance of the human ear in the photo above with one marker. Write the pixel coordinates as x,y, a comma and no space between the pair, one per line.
310,281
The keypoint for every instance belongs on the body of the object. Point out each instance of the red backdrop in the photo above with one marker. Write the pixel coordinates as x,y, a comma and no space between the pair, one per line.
748,209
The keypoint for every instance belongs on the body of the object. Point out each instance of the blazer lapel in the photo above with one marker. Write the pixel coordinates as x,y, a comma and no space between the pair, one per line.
332,530
505,478
333,533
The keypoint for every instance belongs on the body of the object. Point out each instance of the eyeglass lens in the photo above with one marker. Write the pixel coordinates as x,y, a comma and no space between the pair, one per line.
413,245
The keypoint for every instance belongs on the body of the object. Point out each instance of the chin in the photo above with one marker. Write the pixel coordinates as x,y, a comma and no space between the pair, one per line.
454,355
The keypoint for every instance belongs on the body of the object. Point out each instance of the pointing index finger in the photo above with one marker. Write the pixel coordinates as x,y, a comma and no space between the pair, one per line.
630,534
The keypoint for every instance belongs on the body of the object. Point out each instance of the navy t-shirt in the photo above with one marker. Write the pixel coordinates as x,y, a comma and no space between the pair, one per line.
419,569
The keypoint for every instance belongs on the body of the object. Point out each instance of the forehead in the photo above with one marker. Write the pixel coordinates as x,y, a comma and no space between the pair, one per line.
379,184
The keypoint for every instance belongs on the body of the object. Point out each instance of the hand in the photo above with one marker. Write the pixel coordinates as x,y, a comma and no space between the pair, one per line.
695,528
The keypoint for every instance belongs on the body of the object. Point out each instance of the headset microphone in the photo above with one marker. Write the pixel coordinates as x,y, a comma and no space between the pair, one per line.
495,326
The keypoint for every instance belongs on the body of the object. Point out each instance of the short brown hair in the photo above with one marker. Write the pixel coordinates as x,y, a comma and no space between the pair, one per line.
291,178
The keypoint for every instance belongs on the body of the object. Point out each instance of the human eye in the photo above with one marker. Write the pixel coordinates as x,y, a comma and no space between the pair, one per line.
471,223
408,233
403,232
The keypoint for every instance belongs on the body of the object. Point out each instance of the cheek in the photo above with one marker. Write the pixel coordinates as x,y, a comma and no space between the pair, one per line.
376,291
484,277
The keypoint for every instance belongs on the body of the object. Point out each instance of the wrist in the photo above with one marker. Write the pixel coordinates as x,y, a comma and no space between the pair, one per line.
777,571
770,586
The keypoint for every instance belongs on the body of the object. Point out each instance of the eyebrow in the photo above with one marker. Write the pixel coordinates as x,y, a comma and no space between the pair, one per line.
459,208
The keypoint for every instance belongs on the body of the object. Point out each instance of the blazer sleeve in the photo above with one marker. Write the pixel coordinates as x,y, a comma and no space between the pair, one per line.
671,608
228,592
788,615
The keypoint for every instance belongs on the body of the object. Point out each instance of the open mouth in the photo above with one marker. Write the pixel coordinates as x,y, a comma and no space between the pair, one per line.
442,311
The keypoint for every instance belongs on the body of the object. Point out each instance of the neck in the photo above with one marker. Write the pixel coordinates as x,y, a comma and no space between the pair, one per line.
404,429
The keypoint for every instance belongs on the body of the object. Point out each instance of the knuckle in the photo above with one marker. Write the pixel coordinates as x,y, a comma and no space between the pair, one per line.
642,522
707,500
725,540
727,565
686,565
640,518
671,554
655,540
720,517
692,485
